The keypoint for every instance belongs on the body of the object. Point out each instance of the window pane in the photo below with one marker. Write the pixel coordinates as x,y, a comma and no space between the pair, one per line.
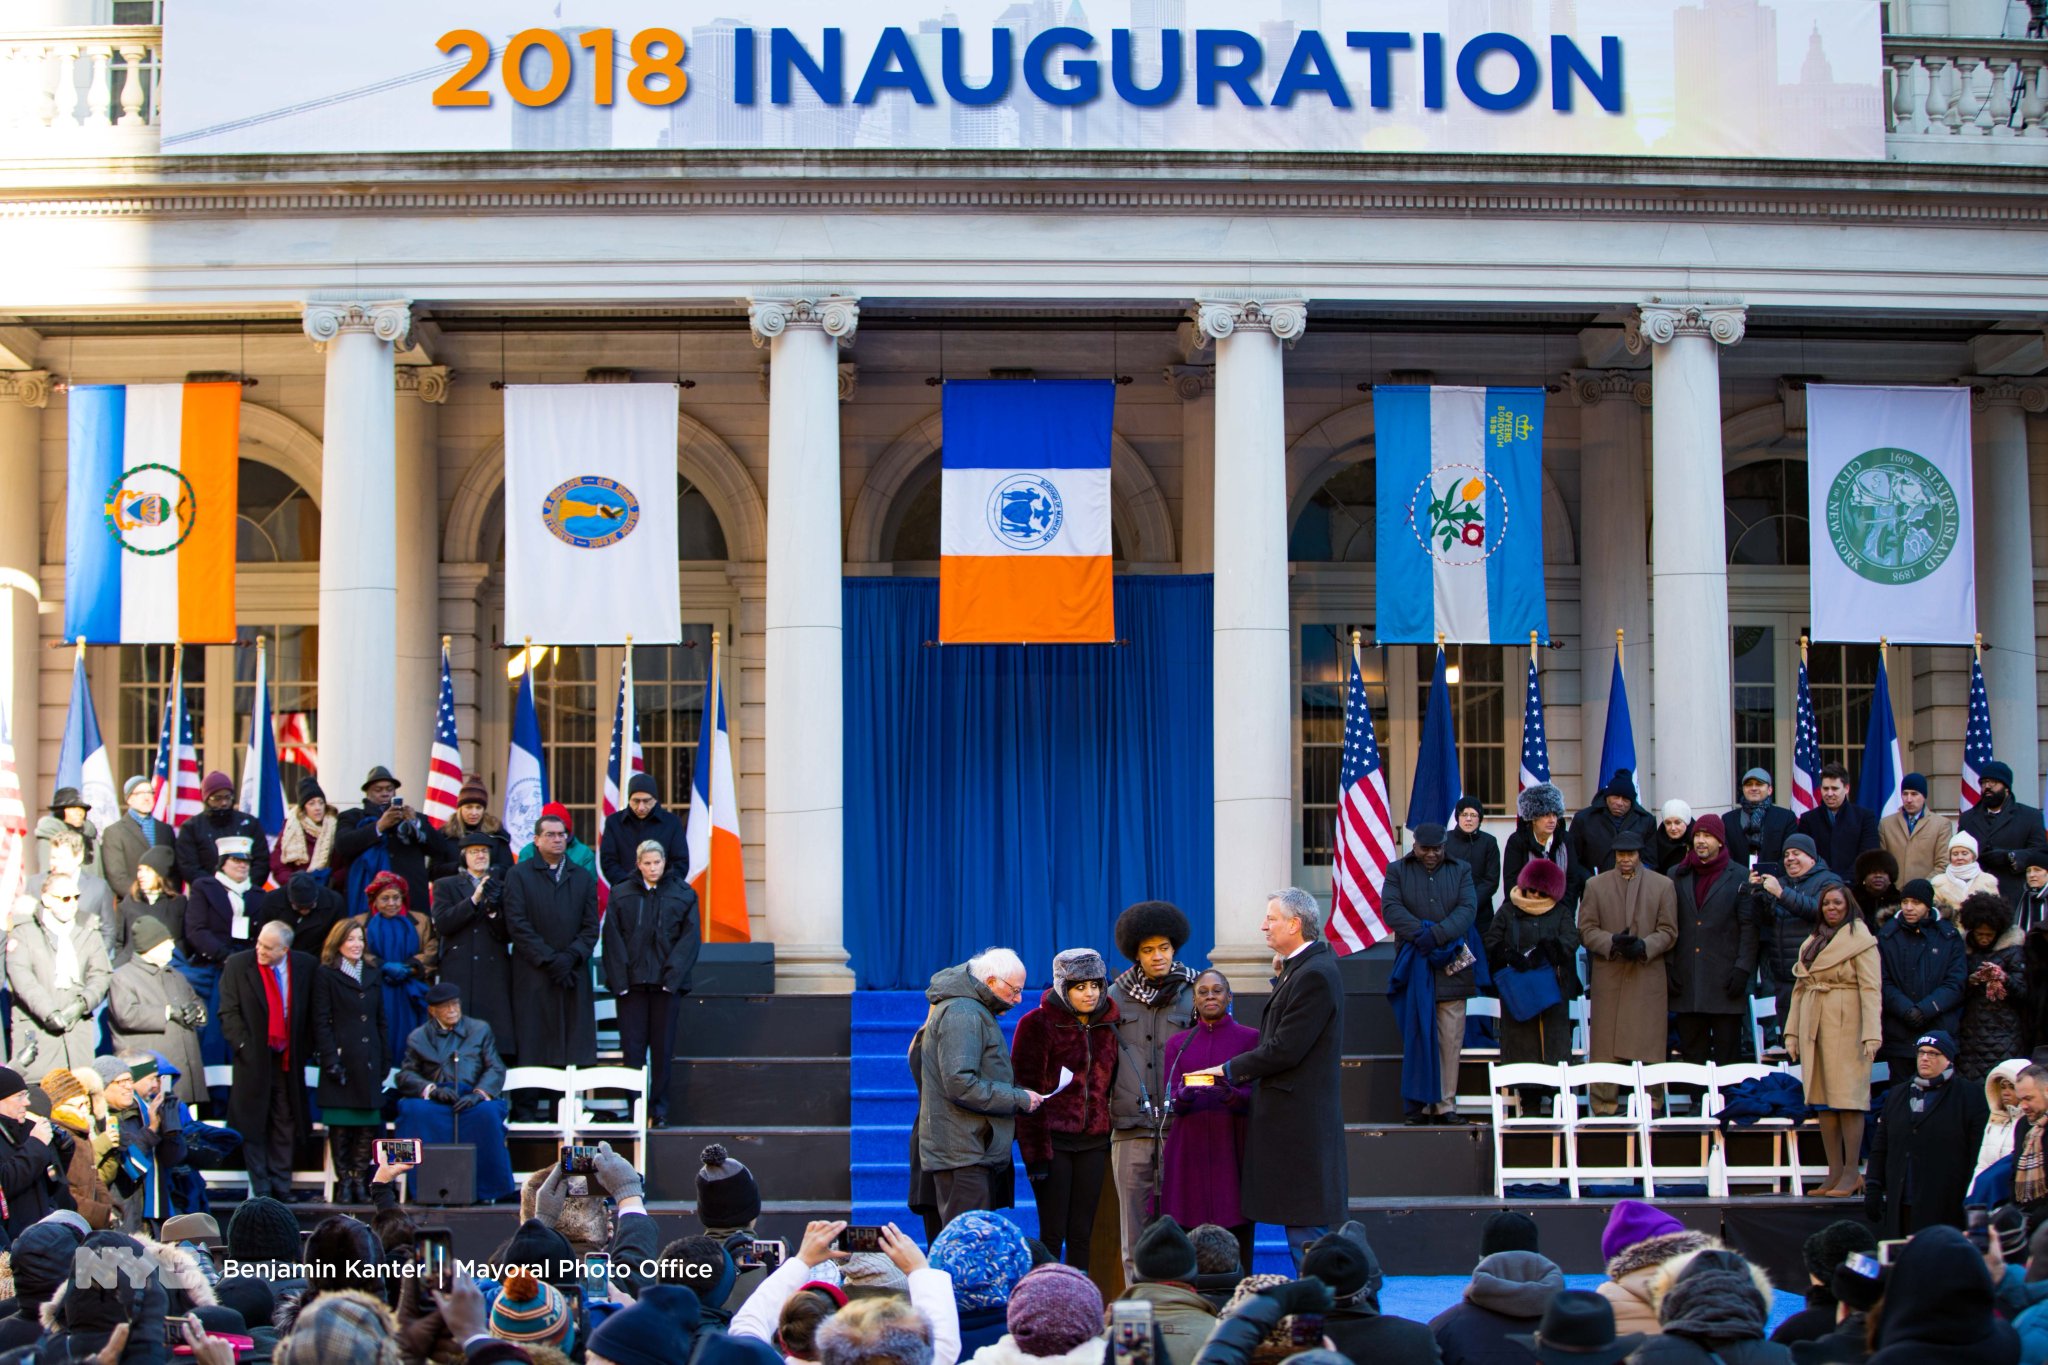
1842,679
669,683
565,696
1325,673
1756,698
1764,506
145,682
1337,524
1479,716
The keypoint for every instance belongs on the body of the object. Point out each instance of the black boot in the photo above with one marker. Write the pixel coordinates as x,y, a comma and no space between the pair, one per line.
341,1146
363,1164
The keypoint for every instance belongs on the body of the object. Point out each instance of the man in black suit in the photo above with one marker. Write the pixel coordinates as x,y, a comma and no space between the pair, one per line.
1757,824
1840,829
1295,1171
266,1011
2002,827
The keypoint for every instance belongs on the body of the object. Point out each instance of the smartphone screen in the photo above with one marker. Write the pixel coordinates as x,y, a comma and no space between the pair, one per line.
435,1248
860,1237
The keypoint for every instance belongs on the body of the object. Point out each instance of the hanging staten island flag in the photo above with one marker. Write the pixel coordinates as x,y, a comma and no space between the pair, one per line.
1024,550
1888,482
149,526
1460,529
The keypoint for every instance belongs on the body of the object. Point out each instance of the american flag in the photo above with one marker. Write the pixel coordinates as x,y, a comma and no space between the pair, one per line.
1805,752
625,758
1365,831
1976,736
176,779
14,826
295,741
444,762
1535,749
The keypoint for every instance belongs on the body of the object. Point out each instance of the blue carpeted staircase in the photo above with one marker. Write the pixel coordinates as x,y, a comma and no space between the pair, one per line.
885,1105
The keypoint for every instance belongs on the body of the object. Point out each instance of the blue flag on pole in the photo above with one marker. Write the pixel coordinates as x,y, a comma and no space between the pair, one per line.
82,760
1877,786
262,792
1618,744
526,769
1437,787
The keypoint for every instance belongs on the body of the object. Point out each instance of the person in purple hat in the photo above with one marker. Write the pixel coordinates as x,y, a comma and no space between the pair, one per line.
1639,1238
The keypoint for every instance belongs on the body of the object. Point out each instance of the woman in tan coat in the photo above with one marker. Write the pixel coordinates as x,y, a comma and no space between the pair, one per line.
1833,1032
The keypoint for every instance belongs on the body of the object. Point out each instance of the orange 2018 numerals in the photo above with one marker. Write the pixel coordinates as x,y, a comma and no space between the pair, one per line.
657,77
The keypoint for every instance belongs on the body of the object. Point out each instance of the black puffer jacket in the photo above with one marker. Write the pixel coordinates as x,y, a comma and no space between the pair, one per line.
1992,1028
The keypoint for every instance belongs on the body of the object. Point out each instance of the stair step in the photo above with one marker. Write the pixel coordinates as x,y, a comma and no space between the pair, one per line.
749,1091
801,1163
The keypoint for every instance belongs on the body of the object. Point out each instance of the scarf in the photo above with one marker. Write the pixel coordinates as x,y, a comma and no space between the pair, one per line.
1706,874
1151,994
367,864
1822,936
279,1033
64,969
1751,818
2029,1174
354,969
1962,876
235,890
148,824
302,845
1923,1090
395,938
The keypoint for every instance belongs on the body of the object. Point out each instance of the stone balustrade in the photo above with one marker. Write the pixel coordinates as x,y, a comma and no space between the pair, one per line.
1965,89
71,91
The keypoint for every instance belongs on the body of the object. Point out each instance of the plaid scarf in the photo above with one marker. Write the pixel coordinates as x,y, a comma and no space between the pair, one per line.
1143,990
2029,1175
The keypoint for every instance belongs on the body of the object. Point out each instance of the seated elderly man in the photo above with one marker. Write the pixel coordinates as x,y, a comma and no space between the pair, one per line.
452,1083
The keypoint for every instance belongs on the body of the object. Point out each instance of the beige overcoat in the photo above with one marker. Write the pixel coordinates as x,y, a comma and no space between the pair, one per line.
1836,1009
1629,999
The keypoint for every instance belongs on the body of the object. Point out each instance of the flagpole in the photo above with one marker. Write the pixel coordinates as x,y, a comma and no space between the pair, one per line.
1979,648
177,725
1619,635
1802,651
711,781
1532,649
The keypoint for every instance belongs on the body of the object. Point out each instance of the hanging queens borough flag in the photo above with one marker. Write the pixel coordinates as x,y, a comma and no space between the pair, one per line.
149,524
1460,524
1024,543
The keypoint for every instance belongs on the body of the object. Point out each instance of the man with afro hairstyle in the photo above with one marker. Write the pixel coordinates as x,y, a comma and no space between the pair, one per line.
1155,999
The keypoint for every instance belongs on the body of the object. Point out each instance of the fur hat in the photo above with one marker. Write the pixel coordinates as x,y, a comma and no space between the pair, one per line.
1077,965
1053,1310
1875,860
1542,799
60,1085
1150,919
1825,1251
1542,878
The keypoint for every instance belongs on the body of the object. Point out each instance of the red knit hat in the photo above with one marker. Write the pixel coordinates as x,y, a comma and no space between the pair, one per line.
388,881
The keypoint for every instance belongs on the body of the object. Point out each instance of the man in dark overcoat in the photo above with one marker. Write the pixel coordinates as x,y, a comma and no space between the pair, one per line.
1710,966
551,916
644,818
1429,905
476,953
2003,827
266,1012
384,834
1924,1151
1295,1171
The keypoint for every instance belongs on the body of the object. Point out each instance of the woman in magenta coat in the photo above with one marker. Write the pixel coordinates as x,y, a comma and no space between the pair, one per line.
1205,1145
1065,1141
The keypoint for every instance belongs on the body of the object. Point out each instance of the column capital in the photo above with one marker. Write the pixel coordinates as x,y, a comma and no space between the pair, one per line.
1659,322
1997,391
1215,318
428,383
387,319
30,388
1190,382
837,315
1593,387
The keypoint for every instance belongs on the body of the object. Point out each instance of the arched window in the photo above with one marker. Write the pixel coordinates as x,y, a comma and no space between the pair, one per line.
275,519
1764,502
1337,525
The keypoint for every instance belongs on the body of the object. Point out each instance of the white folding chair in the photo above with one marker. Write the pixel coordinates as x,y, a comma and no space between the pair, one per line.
1658,1081
1761,1007
1480,1007
1629,1122
585,1081
552,1080
1783,1166
1503,1084
1581,1011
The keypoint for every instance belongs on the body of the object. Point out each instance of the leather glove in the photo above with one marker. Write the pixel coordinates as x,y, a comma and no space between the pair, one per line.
562,971
616,1174
1738,984
64,1019
1917,1016
1300,1296
397,973
552,1196
195,1015
468,1102
1621,945
337,1070
1638,951
440,1094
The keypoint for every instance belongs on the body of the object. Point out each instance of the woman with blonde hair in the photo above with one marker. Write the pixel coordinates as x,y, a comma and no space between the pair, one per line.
1834,1030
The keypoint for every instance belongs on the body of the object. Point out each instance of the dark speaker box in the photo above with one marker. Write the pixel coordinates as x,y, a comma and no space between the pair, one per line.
446,1175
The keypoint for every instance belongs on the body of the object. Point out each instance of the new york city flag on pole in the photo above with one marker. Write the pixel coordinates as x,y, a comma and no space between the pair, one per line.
1024,549
1460,522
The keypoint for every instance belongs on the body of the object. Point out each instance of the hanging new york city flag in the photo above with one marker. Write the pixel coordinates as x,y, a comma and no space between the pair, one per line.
149,525
1024,548
1460,524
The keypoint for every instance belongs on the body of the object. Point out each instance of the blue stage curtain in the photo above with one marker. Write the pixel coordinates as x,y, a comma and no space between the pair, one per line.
1022,797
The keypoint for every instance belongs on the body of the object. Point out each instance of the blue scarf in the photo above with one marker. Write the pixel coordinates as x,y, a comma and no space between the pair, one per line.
393,938
1411,989
148,823
367,864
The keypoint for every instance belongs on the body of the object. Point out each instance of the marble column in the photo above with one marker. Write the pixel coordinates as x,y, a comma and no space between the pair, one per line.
1691,697
416,661
359,523
1614,559
1254,800
2005,572
805,756
23,396
1196,387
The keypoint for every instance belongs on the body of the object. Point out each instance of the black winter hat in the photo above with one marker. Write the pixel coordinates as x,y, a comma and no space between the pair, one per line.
263,1230
1338,1262
534,1243
1939,1292
1834,1244
310,790
303,891
1623,783
247,1295
96,1307
1508,1231
1163,1252
1465,803
160,859
1855,1289
11,1083
1150,919
42,1258
642,782
1919,889
727,1196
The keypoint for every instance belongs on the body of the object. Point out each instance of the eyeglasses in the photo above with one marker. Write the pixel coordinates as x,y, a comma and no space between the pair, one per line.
62,900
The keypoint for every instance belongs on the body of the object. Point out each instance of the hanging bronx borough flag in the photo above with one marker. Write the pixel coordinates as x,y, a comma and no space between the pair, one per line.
1888,485
149,523
1024,550
1460,525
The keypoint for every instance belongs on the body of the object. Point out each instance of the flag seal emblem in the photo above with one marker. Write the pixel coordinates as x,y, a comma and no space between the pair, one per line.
150,509
522,805
590,512
1892,517
1447,512
1026,511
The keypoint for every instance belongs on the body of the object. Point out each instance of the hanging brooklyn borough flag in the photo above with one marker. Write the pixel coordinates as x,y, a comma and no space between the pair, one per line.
1460,522
590,514
1024,548
1889,514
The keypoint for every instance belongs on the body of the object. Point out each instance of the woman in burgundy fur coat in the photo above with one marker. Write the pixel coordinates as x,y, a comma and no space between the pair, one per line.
1065,1142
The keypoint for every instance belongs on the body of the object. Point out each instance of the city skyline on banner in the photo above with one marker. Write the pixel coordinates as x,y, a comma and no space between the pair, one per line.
1793,78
